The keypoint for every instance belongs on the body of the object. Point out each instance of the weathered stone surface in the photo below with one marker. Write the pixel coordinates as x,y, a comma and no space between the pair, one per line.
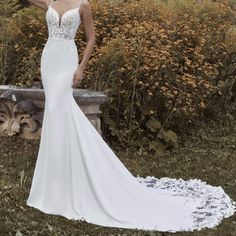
21,109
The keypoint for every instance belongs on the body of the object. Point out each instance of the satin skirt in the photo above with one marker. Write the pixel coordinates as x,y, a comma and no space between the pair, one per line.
78,176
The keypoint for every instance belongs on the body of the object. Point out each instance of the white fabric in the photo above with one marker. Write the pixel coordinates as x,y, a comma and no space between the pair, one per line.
78,176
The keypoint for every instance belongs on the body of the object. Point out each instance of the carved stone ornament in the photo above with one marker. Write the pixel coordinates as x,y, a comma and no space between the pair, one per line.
21,109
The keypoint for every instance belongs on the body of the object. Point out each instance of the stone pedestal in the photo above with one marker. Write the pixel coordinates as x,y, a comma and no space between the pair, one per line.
21,109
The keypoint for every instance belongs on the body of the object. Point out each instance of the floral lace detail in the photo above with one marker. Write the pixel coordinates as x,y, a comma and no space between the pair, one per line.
64,28
214,205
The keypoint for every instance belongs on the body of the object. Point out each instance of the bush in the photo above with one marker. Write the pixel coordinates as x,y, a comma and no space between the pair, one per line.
162,62
158,61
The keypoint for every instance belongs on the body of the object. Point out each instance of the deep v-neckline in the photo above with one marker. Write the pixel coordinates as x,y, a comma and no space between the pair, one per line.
60,18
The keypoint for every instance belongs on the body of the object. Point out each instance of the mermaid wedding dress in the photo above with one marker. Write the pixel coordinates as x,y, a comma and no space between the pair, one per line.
79,177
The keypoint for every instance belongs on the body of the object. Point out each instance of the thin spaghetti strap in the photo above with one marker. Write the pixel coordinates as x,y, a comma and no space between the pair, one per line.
79,3
50,2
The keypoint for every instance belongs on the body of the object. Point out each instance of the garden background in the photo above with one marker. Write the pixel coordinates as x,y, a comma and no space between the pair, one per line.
169,70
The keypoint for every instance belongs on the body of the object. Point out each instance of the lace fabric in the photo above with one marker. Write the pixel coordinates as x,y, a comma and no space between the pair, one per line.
214,203
65,26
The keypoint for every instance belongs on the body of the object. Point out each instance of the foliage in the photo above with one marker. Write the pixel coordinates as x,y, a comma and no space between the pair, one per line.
229,72
160,61
156,60
9,7
25,46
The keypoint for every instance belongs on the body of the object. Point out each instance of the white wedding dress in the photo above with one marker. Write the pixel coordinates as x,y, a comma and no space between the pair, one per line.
78,176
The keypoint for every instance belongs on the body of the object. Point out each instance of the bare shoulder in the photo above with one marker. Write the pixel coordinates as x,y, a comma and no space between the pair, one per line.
85,8
47,2
85,3
43,4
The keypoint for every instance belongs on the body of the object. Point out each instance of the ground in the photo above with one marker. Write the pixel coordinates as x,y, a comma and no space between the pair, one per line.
207,153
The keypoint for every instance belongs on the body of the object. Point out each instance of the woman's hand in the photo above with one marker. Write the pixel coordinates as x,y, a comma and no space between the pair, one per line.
78,76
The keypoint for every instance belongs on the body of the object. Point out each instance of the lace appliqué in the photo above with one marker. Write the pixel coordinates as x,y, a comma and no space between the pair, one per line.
65,28
214,203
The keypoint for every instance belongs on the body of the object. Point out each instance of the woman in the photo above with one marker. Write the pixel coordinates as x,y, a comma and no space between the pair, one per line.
77,175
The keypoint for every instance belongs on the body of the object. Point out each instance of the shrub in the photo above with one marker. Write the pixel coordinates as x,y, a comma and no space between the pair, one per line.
158,61
162,62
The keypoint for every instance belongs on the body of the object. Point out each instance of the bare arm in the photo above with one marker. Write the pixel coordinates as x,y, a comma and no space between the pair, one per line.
43,4
87,19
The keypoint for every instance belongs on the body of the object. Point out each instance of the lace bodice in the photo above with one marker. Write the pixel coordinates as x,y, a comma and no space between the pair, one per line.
64,27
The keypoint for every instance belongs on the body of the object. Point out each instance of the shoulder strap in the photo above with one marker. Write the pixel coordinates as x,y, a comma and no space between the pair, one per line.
79,3
50,2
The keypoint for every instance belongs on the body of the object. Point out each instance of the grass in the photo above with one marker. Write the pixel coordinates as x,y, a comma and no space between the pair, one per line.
207,153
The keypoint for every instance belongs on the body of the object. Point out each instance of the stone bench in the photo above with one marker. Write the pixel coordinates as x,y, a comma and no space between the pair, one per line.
21,109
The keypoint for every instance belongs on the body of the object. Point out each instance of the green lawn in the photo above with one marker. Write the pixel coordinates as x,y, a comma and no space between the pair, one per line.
208,154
